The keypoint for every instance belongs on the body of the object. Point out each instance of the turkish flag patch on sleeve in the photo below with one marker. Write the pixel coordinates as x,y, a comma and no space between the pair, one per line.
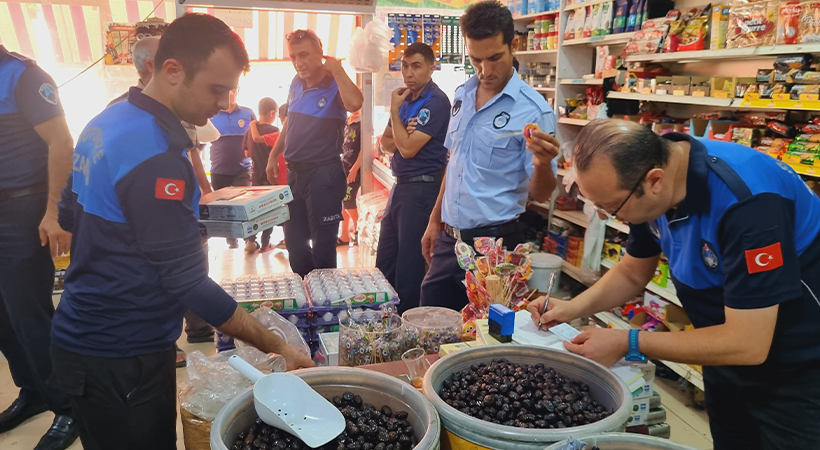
764,259
168,189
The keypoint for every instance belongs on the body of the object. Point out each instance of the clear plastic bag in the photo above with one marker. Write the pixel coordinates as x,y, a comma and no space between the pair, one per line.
369,47
283,328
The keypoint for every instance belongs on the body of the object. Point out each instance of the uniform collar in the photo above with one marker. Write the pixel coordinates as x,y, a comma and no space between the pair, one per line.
324,83
426,90
3,52
698,200
512,89
164,117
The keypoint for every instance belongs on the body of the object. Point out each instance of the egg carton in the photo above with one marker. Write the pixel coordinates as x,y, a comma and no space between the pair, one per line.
360,286
280,292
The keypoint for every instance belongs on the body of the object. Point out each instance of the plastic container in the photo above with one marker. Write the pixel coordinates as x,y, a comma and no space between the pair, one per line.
364,342
376,388
543,265
462,430
428,327
625,441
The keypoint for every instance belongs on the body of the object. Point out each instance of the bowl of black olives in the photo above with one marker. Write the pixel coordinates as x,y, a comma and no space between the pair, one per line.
525,397
622,441
382,413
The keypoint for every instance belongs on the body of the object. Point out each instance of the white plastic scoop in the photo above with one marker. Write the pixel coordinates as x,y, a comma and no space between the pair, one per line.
288,403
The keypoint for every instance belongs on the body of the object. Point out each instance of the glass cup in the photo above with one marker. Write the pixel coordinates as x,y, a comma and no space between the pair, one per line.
416,361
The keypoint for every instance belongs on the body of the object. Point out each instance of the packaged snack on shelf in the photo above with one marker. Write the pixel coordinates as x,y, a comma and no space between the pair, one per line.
807,137
632,19
752,23
803,77
580,22
719,27
780,128
590,26
787,63
809,25
798,146
765,90
808,127
765,75
804,89
601,54
780,88
788,22
694,35
606,19
760,118
569,32
620,17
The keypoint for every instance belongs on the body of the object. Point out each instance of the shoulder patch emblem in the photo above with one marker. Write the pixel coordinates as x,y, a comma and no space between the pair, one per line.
500,121
456,107
49,93
424,116
708,256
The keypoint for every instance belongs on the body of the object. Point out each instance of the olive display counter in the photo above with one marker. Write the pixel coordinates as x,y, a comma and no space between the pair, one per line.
624,441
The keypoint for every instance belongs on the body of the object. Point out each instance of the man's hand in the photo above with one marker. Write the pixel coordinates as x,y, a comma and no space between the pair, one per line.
351,176
428,241
602,345
558,311
52,234
332,65
544,147
296,360
272,171
398,97
411,126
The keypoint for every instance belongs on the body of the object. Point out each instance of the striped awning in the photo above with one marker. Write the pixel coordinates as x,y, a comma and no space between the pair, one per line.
71,32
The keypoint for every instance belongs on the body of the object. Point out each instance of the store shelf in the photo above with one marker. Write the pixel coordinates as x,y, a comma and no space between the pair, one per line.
383,174
680,99
578,5
683,370
609,39
544,89
576,217
582,81
617,225
727,54
574,272
665,293
536,52
568,121
795,105
530,17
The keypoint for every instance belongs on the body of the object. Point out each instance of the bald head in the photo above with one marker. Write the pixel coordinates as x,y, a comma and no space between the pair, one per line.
627,147
143,53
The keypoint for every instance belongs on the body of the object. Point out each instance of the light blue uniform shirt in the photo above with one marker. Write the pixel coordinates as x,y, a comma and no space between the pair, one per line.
487,176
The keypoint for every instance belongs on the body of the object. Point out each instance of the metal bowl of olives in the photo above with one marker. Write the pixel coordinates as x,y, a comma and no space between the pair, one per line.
373,387
525,397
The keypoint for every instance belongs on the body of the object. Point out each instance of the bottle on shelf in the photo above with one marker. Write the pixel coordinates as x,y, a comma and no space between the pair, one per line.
530,37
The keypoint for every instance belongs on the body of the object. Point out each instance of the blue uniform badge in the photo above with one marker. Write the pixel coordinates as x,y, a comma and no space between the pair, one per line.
456,107
48,93
709,257
423,117
241,123
500,121
322,102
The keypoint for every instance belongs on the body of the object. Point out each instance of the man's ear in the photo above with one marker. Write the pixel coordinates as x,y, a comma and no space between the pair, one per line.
173,71
655,179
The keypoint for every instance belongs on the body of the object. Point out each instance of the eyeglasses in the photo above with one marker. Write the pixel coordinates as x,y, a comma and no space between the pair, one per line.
301,34
612,215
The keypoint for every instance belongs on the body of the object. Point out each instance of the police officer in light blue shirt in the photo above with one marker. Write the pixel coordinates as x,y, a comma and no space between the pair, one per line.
492,170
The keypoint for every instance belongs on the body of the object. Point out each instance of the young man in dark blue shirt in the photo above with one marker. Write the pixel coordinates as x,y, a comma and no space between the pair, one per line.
320,96
419,159
137,261
35,150
741,231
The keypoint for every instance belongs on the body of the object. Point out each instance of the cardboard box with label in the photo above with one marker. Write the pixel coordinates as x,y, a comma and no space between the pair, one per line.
247,228
243,203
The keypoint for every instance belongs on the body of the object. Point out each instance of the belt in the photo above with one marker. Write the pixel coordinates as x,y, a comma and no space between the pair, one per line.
418,179
302,166
494,231
12,193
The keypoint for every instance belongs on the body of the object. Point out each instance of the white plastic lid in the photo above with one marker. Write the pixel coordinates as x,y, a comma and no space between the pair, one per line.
546,261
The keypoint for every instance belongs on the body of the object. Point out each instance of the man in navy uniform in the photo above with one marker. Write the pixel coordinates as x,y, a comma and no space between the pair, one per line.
320,96
419,159
741,232
35,149
137,261
490,172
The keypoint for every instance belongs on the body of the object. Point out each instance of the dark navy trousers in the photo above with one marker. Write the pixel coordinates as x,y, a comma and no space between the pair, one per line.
399,254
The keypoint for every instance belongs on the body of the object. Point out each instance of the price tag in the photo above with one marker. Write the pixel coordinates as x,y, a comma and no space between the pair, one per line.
781,97
646,90
753,96
810,171
809,97
721,94
798,105
679,92
595,39
699,94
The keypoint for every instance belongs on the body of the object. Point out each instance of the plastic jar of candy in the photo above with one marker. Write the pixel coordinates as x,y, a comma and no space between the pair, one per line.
429,327
376,340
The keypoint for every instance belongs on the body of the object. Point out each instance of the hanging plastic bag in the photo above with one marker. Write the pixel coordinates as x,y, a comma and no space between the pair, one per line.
274,322
370,46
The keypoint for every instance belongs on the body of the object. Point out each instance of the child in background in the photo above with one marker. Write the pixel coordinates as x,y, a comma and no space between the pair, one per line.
258,143
352,162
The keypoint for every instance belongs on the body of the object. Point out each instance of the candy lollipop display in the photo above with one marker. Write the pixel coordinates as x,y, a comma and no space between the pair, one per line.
497,276
429,327
370,341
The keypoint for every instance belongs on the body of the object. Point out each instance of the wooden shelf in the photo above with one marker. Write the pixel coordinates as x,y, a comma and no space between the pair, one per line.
383,174
530,17
574,272
544,89
680,99
617,225
685,371
726,54
665,293
582,81
568,121
609,39
576,217
536,52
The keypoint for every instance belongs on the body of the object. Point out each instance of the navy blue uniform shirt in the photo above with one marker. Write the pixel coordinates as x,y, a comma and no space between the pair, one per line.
28,97
745,237
137,263
432,112
316,122
228,152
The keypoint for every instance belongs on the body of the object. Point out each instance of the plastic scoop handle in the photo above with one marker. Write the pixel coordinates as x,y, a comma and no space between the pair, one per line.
247,370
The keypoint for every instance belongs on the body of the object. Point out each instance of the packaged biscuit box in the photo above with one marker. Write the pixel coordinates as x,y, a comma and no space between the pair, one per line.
246,228
243,202
752,23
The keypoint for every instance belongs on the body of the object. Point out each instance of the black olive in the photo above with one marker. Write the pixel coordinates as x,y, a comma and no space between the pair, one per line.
347,397
387,411
337,401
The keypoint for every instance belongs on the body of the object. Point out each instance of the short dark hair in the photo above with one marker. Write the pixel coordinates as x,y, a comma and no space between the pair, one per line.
298,35
420,48
486,19
632,149
266,105
283,110
192,38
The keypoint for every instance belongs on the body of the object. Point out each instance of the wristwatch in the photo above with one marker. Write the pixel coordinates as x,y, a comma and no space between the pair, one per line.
634,354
